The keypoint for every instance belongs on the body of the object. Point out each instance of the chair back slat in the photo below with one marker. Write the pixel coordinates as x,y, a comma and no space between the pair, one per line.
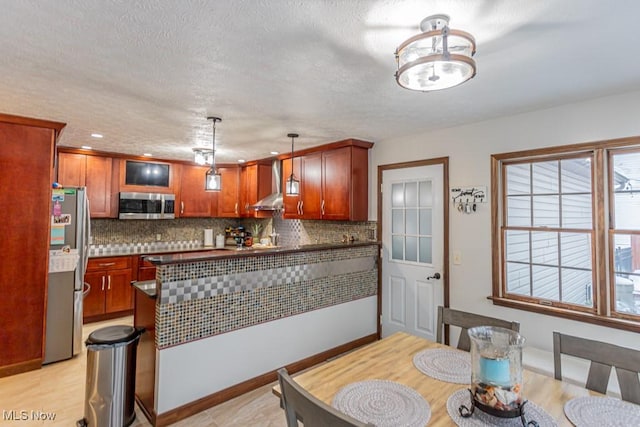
629,385
603,357
466,320
300,405
598,377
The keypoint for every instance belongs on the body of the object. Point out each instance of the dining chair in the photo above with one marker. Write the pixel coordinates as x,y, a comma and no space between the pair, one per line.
603,357
466,320
299,404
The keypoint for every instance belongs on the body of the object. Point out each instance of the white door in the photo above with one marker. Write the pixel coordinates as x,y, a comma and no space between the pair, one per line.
412,249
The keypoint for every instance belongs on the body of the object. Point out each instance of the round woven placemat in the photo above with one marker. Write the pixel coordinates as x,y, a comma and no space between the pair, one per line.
481,419
383,403
597,411
453,366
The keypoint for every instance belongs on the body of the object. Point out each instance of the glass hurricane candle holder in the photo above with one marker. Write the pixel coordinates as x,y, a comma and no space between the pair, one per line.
496,373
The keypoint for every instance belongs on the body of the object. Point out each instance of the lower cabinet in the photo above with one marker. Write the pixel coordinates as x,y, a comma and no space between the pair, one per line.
111,294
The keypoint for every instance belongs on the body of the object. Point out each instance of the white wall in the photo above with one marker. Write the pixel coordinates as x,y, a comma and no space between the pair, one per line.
469,148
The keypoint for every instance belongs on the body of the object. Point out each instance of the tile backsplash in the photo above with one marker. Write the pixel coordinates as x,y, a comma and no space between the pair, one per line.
291,232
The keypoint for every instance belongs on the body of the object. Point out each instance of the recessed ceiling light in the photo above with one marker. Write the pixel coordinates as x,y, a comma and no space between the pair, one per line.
86,147
241,160
147,154
275,152
96,135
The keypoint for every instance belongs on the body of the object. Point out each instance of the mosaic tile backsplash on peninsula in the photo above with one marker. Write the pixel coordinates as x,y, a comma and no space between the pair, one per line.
201,299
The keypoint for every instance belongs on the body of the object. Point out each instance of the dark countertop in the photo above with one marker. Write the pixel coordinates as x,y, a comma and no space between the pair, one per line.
231,252
147,287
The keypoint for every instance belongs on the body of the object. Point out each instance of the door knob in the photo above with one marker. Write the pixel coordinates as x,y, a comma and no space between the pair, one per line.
435,276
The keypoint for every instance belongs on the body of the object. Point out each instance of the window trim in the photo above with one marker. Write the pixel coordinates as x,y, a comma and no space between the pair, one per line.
602,313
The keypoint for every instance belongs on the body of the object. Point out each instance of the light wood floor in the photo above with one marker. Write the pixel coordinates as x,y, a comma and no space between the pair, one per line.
58,389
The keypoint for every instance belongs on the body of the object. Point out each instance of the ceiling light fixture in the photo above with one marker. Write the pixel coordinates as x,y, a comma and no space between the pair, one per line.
213,180
96,135
293,185
202,156
439,58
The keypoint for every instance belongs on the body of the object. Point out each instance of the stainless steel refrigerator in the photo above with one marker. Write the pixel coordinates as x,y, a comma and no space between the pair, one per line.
68,255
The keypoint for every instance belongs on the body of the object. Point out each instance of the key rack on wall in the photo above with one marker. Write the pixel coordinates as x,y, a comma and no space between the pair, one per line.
467,199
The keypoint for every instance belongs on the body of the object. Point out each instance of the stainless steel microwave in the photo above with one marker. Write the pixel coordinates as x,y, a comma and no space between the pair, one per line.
146,206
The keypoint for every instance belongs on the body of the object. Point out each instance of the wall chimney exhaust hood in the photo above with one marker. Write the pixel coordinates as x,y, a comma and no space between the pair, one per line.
273,202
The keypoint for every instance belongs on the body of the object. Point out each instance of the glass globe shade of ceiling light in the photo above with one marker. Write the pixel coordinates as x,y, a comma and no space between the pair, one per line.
439,58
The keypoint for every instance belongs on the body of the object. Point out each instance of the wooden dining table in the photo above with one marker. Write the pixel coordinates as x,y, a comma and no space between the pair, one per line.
391,358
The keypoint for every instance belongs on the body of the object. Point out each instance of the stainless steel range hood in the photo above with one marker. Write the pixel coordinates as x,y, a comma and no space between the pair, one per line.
273,202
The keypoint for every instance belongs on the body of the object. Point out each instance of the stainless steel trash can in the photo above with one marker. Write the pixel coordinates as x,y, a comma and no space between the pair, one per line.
111,373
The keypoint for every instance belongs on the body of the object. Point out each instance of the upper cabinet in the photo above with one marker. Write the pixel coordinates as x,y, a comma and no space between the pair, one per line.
333,183
255,184
95,173
194,201
229,195
308,203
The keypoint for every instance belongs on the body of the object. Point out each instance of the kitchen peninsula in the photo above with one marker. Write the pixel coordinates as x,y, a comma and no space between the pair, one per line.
223,321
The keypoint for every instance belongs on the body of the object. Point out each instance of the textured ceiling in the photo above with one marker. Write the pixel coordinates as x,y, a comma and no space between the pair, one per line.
146,74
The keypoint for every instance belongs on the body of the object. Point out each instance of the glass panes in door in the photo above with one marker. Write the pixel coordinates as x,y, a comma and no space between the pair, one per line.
412,221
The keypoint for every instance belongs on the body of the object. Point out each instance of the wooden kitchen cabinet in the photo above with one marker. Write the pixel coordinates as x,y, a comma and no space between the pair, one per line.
146,270
194,201
333,183
72,169
255,184
111,294
26,173
229,195
95,173
290,202
307,169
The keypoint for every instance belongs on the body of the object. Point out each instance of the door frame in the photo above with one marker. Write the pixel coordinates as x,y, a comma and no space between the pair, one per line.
444,161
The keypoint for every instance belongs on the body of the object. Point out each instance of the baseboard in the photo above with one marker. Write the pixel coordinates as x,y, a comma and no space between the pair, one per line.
229,393
18,368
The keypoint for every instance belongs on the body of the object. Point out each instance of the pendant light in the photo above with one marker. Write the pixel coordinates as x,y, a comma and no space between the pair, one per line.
293,185
438,58
213,181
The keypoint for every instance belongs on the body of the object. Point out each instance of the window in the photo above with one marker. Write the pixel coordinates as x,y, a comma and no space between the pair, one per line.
411,225
567,231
